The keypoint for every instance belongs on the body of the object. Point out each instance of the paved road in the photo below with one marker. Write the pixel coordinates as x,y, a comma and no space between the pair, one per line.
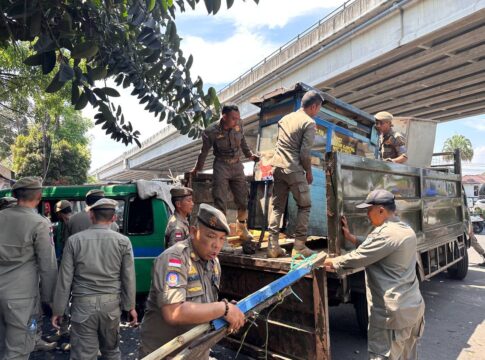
455,323
455,319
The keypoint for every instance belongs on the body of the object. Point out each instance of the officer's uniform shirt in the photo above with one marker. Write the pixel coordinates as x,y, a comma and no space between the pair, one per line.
177,229
227,144
97,261
26,251
81,221
178,275
389,257
392,145
296,134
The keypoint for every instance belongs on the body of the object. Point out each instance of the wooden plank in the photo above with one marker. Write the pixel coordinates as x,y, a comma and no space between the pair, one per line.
320,309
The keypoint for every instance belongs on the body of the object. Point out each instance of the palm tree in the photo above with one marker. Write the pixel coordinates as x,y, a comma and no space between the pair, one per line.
462,143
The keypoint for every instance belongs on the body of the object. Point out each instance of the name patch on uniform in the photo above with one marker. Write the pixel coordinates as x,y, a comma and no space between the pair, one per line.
175,263
172,279
195,277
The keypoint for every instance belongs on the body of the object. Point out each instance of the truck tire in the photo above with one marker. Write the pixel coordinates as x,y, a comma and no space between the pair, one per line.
360,306
477,227
460,269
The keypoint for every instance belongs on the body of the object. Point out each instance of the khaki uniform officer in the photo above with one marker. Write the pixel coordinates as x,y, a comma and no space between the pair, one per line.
7,202
396,307
64,213
392,145
98,270
81,220
226,137
292,172
26,255
185,283
178,224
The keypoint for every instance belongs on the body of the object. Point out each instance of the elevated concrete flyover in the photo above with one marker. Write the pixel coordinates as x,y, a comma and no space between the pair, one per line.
423,58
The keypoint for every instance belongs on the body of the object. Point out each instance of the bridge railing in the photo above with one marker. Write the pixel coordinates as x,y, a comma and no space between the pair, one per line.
278,51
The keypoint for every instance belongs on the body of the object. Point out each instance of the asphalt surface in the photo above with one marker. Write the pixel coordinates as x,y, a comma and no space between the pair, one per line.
455,323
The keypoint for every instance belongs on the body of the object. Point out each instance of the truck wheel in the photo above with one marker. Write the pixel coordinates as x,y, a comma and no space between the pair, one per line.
477,227
360,305
460,269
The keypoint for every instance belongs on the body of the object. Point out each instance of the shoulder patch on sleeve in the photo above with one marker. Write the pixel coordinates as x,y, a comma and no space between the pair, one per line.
172,279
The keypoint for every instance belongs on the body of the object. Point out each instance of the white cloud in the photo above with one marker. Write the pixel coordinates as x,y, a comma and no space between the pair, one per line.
214,63
270,13
477,123
479,155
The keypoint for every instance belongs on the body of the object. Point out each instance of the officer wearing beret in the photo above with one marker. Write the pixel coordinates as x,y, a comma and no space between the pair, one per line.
185,284
7,202
97,270
81,220
26,256
392,145
178,224
388,254
226,137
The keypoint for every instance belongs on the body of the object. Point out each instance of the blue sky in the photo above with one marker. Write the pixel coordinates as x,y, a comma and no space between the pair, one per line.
226,45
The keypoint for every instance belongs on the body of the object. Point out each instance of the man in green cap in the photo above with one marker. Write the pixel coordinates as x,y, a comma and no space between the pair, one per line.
81,220
292,172
27,256
98,271
7,202
388,254
392,145
178,224
185,284
226,138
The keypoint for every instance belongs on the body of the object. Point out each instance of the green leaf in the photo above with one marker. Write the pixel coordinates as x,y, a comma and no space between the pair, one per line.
190,60
209,4
82,102
74,93
111,92
66,72
55,84
48,62
34,60
151,5
84,50
99,73
164,5
229,3
216,6
100,94
212,95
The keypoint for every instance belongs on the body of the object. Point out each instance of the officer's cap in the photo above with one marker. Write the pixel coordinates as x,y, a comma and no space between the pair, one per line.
103,204
377,197
180,191
7,201
95,192
61,205
29,182
384,116
213,218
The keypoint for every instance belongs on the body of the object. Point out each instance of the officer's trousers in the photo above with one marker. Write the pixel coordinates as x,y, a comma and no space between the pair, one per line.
390,344
95,322
476,246
295,183
16,342
229,177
